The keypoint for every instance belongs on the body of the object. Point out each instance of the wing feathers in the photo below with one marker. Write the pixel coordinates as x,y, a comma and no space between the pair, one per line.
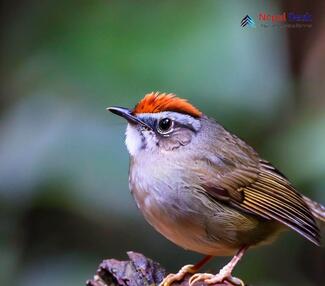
285,217
272,194
265,192
278,206
286,200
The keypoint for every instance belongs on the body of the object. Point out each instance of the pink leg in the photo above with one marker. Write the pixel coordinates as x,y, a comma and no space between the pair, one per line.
224,273
233,262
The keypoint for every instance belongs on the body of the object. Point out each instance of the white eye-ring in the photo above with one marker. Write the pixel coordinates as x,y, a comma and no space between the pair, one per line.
165,125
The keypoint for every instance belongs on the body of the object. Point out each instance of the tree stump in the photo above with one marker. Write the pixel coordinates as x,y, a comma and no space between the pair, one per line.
138,271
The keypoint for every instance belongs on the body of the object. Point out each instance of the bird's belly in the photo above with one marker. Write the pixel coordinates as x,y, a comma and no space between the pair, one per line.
189,236
185,228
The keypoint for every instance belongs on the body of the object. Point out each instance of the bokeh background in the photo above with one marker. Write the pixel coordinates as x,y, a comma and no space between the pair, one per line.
64,198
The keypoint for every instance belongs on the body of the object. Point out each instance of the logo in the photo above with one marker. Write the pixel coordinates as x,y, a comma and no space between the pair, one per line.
247,21
273,17
284,19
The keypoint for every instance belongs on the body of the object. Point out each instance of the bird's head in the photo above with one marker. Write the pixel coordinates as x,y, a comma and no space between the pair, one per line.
160,122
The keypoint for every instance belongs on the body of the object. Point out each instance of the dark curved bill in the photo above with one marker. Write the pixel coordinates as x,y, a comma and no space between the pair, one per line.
126,113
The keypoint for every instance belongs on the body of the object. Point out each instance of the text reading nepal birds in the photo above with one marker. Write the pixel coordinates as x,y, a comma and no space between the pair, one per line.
205,189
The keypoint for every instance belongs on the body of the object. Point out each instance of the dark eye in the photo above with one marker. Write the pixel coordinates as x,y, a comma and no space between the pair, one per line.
165,125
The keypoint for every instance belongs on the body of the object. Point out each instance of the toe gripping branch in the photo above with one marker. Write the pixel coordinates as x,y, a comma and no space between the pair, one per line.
137,271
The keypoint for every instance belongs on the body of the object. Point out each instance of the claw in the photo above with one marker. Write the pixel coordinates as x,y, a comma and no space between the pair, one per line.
199,277
220,277
223,275
236,281
211,279
171,278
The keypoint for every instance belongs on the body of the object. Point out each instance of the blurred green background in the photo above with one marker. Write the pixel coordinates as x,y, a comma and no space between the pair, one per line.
64,198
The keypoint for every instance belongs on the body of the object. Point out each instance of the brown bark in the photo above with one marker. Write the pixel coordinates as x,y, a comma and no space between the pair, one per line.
138,271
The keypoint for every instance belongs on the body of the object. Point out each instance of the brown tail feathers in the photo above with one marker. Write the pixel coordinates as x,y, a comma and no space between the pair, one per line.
317,209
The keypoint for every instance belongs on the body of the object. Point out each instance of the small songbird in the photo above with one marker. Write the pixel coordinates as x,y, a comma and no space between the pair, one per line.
205,189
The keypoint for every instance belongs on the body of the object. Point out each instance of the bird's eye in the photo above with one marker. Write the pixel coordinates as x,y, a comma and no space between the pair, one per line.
165,125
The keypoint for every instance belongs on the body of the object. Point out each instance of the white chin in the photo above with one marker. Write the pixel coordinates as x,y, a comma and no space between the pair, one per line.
133,140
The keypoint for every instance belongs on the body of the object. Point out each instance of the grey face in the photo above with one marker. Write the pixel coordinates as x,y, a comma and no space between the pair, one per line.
160,132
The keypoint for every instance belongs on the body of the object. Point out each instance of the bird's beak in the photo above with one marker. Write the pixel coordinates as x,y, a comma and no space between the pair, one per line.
127,114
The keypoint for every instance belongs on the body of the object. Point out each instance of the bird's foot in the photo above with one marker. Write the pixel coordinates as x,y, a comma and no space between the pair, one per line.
211,279
171,278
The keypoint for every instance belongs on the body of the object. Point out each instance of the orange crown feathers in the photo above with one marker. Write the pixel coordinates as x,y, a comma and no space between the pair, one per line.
158,102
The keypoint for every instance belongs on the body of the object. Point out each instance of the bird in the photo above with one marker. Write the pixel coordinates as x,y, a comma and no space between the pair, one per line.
205,189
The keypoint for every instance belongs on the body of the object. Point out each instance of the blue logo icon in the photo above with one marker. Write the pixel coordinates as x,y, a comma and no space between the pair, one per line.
247,21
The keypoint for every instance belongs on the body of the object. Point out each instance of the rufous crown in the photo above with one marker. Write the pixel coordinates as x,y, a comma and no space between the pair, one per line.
154,102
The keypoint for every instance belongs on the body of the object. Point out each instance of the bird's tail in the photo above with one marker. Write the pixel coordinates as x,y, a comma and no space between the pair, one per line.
317,209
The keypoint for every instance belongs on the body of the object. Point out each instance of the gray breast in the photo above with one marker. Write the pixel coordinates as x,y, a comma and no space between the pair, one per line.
181,214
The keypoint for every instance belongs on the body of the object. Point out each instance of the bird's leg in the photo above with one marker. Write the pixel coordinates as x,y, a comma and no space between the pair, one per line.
223,275
170,278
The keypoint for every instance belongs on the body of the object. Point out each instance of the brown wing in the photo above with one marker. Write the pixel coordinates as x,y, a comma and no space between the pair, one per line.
263,191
